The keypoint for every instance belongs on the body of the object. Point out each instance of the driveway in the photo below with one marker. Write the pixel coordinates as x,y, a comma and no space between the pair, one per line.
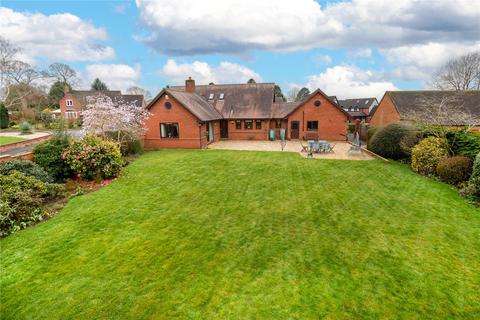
341,151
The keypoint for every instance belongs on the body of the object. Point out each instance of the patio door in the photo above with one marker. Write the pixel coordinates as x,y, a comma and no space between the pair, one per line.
210,132
224,129
294,129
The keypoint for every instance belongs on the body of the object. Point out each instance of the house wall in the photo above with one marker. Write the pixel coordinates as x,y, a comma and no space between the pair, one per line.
189,130
248,134
216,132
331,120
386,113
76,106
283,125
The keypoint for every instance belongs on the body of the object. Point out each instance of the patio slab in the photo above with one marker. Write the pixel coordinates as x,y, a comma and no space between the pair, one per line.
340,151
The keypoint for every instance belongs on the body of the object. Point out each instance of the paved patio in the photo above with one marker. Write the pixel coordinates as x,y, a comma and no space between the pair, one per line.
340,151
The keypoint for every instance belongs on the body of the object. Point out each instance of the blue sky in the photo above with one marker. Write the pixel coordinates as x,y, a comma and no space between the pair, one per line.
342,47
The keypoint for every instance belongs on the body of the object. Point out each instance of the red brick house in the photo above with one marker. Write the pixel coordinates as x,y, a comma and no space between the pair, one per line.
359,108
74,101
192,116
402,105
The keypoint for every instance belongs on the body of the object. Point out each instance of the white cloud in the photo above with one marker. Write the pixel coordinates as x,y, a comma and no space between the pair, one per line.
204,73
361,53
232,26
63,37
323,59
419,62
116,76
349,82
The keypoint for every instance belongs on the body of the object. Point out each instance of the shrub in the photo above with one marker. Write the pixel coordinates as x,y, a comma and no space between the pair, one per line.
26,167
22,200
351,128
4,117
25,128
129,144
48,155
427,154
371,131
134,146
474,181
386,140
454,170
93,158
464,143
410,140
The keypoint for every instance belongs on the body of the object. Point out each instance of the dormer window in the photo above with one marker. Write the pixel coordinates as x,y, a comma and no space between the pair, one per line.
69,103
350,109
221,96
211,96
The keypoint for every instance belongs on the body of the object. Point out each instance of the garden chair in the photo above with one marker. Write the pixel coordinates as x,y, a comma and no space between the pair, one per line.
330,147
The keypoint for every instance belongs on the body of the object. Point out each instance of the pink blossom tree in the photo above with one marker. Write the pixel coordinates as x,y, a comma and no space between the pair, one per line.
124,120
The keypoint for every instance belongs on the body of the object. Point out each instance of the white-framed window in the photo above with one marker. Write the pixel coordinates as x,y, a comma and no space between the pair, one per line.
69,103
221,96
211,96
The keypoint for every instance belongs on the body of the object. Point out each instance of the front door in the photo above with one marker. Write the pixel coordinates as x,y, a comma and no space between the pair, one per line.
294,129
224,129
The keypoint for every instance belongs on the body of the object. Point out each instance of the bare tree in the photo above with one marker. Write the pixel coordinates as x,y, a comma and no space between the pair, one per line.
7,57
139,90
462,73
292,94
442,115
63,73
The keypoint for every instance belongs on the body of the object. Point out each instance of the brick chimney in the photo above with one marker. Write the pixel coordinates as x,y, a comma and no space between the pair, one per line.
190,85
66,89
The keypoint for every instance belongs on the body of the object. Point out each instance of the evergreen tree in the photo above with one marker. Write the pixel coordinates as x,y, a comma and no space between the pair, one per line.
302,94
251,81
98,85
4,117
56,92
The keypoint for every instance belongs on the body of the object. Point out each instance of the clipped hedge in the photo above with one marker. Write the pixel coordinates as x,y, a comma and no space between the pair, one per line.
454,170
386,141
26,167
427,154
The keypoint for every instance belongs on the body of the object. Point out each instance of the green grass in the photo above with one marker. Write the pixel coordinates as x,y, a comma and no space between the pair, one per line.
250,235
9,139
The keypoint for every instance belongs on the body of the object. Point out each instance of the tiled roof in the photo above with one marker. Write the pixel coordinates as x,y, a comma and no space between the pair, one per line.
195,103
240,101
115,95
415,102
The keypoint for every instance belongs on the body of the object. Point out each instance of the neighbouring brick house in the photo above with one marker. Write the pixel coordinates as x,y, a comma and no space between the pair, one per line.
358,108
192,116
402,105
74,101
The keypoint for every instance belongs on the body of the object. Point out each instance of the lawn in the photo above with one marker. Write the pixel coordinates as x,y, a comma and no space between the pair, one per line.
9,139
250,235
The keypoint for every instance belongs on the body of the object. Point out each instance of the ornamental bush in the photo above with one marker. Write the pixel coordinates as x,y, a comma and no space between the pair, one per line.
48,155
26,167
22,200
427,154
464,143
454,170
386,140
25,128
94,158
475,177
